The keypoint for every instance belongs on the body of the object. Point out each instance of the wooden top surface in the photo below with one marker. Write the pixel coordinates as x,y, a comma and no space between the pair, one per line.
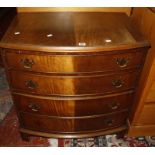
69,31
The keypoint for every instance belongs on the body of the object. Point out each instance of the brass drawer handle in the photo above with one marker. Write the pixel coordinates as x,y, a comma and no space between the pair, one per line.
109,122
34,107
31,84
117,83
27,63
122,62
114,105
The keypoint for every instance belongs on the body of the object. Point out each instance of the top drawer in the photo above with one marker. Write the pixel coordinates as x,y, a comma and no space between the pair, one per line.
82,63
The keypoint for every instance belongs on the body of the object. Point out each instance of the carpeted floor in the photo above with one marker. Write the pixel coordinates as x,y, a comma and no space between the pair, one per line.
9,134
5,96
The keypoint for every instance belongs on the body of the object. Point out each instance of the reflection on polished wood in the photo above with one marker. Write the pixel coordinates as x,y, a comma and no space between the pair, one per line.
69,29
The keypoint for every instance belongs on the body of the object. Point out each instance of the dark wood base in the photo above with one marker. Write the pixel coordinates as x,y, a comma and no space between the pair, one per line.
26,132
25,136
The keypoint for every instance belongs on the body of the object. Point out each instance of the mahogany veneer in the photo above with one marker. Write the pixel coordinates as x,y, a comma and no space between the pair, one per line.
73,74
72,107
72,125
72,85
86,63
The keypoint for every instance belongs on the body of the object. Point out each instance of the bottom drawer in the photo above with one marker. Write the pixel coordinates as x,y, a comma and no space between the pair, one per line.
74,124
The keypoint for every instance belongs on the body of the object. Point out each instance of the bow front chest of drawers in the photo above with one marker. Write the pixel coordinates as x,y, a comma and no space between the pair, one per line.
73,74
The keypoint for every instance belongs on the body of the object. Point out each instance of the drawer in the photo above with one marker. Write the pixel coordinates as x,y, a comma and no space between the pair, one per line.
72,85
75,63
68,125
71,107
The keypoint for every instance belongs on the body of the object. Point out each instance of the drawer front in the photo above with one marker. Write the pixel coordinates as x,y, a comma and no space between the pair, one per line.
73,108
72,85
74,63
52,124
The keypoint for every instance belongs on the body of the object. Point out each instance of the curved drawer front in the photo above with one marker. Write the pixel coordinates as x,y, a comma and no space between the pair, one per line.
72,85
73,108
52,124
75,63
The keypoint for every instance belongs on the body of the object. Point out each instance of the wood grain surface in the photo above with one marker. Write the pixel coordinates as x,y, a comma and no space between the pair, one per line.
72,85
73,73
79,63
69,125
69,31
141,120
70,107
126,10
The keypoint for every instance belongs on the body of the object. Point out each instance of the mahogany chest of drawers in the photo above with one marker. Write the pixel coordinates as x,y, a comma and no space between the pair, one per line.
73,74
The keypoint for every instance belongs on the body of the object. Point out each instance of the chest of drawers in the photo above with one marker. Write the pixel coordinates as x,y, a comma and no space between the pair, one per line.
73,74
